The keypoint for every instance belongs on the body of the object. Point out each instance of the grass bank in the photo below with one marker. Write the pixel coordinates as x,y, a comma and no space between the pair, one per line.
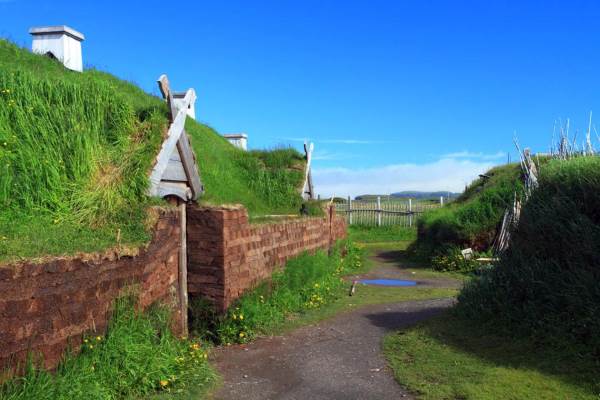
470,220
453,358
76,150
138,357
545,285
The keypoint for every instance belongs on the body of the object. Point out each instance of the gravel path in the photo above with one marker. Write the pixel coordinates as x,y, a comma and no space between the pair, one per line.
339,358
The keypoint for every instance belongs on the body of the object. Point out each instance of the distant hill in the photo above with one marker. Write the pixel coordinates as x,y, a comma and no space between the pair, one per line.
408,194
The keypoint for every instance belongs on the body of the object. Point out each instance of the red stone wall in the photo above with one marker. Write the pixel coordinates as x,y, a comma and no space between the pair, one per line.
227,255
46,306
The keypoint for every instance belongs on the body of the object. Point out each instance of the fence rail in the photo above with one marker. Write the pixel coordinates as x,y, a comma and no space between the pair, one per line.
382,212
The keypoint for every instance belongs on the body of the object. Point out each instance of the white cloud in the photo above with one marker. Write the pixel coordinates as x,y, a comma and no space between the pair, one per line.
335,141
330,156
479,156
446,174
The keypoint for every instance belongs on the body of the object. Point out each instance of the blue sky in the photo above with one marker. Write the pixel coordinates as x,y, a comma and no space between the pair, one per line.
396,95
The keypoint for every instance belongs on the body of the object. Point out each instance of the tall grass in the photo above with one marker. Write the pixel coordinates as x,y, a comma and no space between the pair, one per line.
266,182
137,357
76,150
546,283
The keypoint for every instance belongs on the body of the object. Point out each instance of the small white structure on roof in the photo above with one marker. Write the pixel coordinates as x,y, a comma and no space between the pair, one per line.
239,140
60,42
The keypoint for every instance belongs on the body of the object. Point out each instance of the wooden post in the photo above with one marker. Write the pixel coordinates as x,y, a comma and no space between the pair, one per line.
410,217
378,210
349,211
441,200
183,290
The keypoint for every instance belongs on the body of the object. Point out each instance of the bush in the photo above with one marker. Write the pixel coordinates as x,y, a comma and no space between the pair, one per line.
546,283
138,356
454,261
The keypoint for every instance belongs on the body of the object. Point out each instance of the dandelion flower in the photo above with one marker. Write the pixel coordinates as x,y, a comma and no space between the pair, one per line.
242,334
164,382
241,316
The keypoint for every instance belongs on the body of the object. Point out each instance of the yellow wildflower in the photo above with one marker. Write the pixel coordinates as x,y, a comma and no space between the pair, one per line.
164,382
241,316
242,334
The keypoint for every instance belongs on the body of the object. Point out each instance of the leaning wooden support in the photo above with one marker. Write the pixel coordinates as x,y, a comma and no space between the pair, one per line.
175,170
307,187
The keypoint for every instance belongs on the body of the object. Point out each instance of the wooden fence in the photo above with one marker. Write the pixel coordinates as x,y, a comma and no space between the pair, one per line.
383,212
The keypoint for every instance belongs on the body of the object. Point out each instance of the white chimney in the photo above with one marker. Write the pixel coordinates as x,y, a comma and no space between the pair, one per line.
60,42
239,140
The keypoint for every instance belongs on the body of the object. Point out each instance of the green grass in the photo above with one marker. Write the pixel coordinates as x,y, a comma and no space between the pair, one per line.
138,357
545,285
76,150
264,182
387,233
470,220
452,358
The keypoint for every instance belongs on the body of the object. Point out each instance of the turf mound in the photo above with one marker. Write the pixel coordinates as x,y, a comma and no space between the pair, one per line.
472,219
546,283
76,150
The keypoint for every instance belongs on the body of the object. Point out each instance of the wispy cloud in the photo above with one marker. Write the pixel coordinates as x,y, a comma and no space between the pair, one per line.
335,141
479,156
325,155
446,174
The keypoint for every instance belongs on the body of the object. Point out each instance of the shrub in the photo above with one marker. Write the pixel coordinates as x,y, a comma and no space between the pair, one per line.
454,261
546,283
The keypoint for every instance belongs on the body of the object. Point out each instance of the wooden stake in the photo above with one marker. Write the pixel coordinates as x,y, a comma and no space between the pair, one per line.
183,290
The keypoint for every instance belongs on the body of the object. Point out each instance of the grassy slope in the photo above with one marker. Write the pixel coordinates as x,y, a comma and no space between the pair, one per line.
528,328
546,283
76,149
470,220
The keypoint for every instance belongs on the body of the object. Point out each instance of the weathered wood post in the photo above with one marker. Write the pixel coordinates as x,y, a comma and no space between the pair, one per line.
349,211
183,289
378,210
410,216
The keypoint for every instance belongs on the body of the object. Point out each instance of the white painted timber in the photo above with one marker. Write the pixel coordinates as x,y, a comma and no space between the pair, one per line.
307,187
175,172
179,189
178,102
239,140
60,42
170,144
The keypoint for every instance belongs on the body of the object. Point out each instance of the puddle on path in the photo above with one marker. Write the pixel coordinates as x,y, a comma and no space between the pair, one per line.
387,282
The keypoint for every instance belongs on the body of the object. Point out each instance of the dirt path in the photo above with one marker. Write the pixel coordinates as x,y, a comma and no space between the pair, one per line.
339,358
